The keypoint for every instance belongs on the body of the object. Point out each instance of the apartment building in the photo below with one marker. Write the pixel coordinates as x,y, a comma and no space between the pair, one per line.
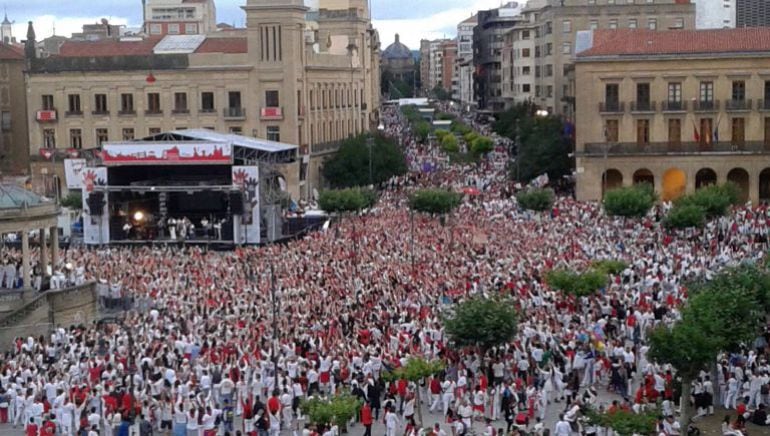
714,14
677,109
179,17
488,44
14,145
544,39
752,13
448,59
462,80
282,78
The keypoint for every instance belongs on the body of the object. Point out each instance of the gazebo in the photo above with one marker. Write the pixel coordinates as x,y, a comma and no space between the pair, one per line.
22,211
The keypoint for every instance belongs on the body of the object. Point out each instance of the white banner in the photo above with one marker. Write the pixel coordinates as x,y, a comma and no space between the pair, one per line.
96,228
153,153
246,180
73,169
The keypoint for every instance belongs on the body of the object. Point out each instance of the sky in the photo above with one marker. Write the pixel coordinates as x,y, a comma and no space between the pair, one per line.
411,19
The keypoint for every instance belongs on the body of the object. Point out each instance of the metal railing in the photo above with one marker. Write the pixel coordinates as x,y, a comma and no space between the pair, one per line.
234,112
705,105
738,105
612,107
673,106
643,106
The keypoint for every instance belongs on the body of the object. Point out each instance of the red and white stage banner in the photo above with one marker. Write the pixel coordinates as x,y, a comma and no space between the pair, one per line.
172,153
246,180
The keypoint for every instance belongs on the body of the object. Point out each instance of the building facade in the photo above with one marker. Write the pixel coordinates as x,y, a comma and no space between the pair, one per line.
397,59
462,82
14,142
179,17
282,78
677,109
488,45
752,13
448,59
714,14
544,41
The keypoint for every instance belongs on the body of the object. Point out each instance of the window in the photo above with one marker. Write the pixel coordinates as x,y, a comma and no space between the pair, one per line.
642,132
272,100
767,131
566,26
274,133
180,102
652,24
566,48
611,133
153,131
49,138
549,92
156,29
102,136
525,52
739,90
612,96
127,103
537,71
706,128
100,104
234,100
643,96
537,51
47,102
767,93
549,49
526,71
525,34
191,28
706,92
525,87
678,23
236,130
593,25
173,28
74,103
207,102
5,120
128,133
548,70
537,90
674,131
613,24
153,103
674,92
76,138
632,23
739,131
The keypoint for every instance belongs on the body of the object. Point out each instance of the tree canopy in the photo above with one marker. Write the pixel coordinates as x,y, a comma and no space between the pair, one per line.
434,201
337,410
350,165
482,322
346,200
536,199
633,201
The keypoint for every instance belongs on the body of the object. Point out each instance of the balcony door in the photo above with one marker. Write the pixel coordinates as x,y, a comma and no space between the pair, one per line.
706,130
612,96
674,133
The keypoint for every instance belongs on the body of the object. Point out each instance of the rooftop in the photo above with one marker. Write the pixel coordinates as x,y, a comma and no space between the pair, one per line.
397,50
185,44
11,52
16,197
644,42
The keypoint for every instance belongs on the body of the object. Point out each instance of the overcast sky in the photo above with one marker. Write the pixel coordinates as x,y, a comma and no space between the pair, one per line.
412,19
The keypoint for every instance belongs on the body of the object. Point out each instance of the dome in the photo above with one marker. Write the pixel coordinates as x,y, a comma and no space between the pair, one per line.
16,197
397,50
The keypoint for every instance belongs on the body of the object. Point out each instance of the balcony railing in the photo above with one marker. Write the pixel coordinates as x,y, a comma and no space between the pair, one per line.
673,106
77,113
763,105
234,113
180,111
103,112
706,105
271,113
208,111
613,107
153,112
46,116
642,106
738,105
672,148
127,112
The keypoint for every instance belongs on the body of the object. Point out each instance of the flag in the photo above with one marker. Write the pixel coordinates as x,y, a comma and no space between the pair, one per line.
695,133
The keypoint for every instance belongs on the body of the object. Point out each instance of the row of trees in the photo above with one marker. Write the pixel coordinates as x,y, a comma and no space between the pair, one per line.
350,166
541,142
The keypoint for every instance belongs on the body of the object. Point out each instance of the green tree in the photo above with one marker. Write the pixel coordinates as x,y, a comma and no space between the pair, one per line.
415,370
344,200
578,284
449,143
623,422
613,267
439,93
542,148
74,200
482,145
350,165
633,201
714,200
481,322
434,201
684,216
337,410
536,199
422,131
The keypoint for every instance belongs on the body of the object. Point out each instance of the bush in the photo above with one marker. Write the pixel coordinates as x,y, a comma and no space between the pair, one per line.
346,200
441,133
482,145
434,201
623,422
613,267
634,201
469,137
449,144
536,199
350,165
684,216
576,284
74,200
337,410
422,130
460,127
714,200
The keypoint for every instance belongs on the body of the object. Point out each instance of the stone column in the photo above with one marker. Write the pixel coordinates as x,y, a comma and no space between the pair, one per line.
43,252
54,247
25,259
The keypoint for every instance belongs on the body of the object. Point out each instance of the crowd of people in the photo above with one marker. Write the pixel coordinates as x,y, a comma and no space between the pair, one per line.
202,359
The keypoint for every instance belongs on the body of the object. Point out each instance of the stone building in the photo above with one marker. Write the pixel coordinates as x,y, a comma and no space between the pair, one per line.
677,109
397,59
14,143
179,17
282,78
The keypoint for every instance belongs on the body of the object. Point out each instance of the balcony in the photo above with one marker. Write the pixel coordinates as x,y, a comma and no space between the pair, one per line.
737,105
46,116
673,149
673,106
101,112
642,106
127,112
613,107
77,113
705,106
207,111
271,114
234,113
180,111
153,112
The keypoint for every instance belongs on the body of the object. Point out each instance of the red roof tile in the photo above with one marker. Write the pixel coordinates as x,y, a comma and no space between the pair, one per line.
107,48
223,45
635,42
11,52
